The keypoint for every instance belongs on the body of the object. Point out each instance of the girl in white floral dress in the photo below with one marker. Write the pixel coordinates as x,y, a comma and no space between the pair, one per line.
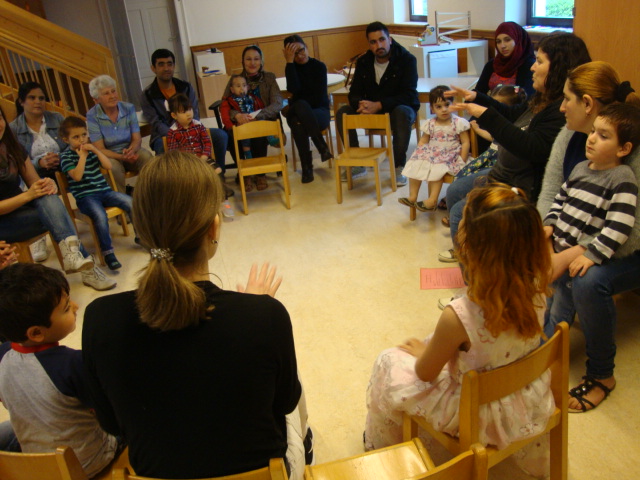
443,148
499,320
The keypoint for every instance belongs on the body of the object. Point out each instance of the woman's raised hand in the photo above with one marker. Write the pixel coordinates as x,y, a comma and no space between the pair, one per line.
264,283
467,95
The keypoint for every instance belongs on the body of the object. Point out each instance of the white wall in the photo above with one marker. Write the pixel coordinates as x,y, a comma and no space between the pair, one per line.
81,17
210,21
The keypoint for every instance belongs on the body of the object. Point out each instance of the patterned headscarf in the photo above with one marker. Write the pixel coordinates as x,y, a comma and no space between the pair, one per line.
507,66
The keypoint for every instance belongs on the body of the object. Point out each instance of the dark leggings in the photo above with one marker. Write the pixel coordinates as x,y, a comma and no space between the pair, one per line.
306,122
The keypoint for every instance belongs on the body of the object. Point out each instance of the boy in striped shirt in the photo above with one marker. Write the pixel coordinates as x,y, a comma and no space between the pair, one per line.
81,162
594,212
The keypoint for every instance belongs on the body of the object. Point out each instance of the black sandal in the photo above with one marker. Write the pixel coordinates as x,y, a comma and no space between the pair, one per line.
580,391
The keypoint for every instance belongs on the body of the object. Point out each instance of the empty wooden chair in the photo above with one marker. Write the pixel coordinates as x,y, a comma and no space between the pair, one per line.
482,388
275,471
59,465
365,156
258,165
76,214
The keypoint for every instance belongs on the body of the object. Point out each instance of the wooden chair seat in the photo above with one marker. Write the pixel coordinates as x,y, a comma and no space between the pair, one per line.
408,460
482,388
362,156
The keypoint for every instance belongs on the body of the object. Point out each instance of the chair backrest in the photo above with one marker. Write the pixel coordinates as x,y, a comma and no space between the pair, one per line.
470,465
63,185
59,465
370,122
481,388
257,129
275,471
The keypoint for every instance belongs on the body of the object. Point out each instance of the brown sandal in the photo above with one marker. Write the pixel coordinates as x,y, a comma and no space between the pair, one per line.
261,183
248,184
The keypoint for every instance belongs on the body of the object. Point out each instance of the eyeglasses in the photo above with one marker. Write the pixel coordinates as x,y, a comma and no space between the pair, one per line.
301,51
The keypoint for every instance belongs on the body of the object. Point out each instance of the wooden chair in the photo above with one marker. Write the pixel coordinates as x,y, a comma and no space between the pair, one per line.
59,465
407,460
258,165
365,157
24,252
371,132
448,178
482,388
76,214
328,138
275,471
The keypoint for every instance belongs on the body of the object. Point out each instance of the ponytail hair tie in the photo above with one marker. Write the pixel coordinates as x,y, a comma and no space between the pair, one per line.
623,90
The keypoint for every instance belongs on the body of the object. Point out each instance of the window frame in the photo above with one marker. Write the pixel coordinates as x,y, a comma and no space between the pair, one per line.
548,21
416,18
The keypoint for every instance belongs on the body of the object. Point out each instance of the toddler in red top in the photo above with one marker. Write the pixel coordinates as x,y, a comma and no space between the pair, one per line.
187,134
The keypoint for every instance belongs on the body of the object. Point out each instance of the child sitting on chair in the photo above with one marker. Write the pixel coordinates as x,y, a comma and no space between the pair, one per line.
187,134
81,162
41,382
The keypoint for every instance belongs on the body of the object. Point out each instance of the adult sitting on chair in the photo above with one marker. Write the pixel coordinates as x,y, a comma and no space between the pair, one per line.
181,359
385,81
37,129
308,113
114,129
155,104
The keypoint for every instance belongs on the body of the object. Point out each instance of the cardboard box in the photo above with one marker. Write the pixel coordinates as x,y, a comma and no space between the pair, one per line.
210,89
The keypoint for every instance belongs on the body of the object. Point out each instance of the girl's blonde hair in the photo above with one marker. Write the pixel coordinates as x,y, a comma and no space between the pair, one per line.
506,258
175,202
600,81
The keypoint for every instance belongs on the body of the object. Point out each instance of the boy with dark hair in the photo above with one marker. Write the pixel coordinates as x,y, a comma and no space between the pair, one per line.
41,382
81,163
188,134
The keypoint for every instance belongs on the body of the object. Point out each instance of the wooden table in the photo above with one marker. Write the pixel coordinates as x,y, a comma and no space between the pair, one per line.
341,96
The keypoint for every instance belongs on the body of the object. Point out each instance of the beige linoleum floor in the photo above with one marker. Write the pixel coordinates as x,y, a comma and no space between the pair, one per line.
351,286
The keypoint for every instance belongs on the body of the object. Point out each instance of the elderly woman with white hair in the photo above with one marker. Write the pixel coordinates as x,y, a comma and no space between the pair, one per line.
113,128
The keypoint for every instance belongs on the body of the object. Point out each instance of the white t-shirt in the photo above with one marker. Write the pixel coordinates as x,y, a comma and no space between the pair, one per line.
380,68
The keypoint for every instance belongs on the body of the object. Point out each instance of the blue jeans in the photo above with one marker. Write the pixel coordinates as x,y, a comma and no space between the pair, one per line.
457,198
401,118
94,207
591,298
36,217
8,439
219,140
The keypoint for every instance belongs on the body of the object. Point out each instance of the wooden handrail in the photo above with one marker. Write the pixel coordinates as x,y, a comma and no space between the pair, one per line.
34,49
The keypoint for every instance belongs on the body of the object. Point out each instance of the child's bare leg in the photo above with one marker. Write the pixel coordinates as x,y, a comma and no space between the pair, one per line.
414,189
434,193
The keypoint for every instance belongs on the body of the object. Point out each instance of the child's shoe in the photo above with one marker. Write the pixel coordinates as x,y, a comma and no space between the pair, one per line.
227,209
112,262
273,141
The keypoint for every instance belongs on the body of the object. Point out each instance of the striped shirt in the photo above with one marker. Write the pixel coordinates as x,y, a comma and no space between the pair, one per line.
595,209
92,180
193,139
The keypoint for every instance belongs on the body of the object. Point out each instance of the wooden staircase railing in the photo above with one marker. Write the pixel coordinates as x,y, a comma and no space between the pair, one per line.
34,49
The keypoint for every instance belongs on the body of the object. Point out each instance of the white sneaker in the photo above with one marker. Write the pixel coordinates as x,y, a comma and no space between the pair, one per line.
96,279
72,257
227,209
39,251
447,256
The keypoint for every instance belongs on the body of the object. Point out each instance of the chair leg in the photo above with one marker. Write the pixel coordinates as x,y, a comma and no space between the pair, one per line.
125,227
287,187
412,213
293,154
24,252
327,133
244,193
409,428
559,452
377,173
56,248
338,185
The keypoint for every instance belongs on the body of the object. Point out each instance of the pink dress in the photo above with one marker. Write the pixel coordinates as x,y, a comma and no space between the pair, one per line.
394,388
441,155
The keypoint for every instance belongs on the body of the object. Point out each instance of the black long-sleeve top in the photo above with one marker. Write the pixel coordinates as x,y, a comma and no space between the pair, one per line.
208,400
308,82
524,146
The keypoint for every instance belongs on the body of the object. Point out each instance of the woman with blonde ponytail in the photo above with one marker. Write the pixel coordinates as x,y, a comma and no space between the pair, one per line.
197,379
587,90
